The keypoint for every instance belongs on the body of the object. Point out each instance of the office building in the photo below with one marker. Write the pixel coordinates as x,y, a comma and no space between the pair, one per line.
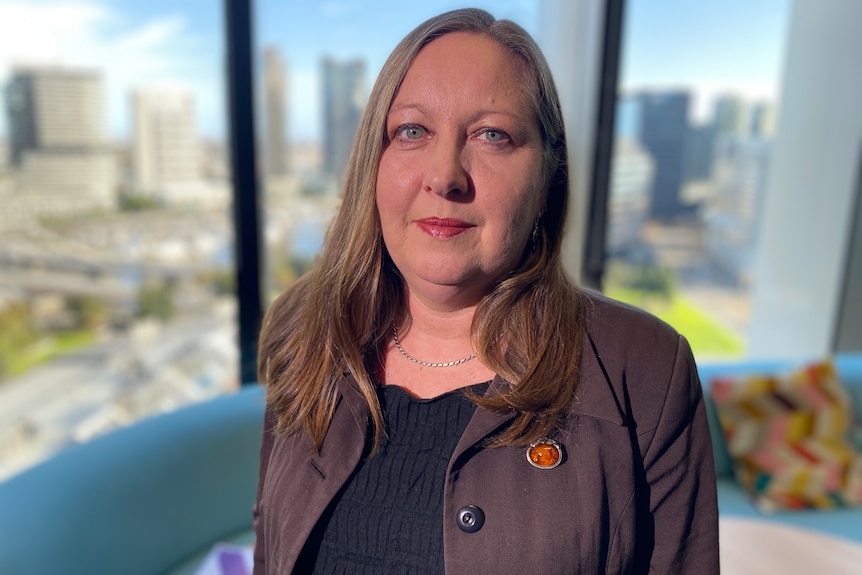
58,147
764,120
699,154
663,132
731,116
628,203
166,155
275,113
344,98
733,214
4,160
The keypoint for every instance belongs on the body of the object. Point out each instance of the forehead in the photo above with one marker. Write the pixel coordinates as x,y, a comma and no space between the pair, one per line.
465,67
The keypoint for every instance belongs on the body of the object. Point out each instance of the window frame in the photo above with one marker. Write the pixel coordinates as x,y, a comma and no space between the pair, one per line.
240,79
593,263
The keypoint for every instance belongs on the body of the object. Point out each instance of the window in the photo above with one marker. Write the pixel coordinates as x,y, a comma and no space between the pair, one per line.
117,242
116,255
117,236
734,190
696,117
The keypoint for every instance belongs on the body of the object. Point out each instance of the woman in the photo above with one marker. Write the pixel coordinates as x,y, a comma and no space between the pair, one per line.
441,397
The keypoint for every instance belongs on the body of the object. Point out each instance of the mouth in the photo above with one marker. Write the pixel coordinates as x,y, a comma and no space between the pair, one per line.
443,228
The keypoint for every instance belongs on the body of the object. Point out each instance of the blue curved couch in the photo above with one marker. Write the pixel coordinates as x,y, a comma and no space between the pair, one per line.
147,499
155,497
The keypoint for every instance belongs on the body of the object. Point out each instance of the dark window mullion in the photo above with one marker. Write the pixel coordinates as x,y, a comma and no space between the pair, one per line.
246,210
594,250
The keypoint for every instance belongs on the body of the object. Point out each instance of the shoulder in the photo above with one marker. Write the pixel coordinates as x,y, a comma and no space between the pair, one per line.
625,331
631,363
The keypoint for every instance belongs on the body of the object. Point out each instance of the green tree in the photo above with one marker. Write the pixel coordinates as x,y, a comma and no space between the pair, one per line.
89,312
137,203
654,280
156,299
16,334
223,282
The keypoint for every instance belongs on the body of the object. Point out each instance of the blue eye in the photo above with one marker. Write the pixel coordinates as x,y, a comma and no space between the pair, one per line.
410,132
494,136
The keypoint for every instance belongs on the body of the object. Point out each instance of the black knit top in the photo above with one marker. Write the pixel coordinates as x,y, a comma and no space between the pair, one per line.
388,518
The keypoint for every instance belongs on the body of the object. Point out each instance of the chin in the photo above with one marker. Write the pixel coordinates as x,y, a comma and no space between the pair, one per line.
447,283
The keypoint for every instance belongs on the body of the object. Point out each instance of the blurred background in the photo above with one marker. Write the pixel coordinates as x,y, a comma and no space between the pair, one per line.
117,236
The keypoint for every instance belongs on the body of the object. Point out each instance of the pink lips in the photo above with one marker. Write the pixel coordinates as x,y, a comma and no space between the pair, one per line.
443,228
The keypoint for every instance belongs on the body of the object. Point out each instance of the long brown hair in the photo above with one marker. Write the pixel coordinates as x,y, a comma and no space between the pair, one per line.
336,319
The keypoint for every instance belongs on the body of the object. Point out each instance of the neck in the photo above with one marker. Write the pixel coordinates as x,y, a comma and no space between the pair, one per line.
444,300
442,326
432,335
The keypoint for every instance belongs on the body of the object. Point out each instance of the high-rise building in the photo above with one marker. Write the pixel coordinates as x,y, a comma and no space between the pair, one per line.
275,116
764,120
663,130
731,116
733,214
628,202
699,155
4,159
344,98
166,159
58,147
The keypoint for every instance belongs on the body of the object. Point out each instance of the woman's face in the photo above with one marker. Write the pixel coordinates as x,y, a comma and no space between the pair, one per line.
459,181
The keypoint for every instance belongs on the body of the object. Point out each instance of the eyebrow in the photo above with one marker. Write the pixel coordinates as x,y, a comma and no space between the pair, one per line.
408,106
478,114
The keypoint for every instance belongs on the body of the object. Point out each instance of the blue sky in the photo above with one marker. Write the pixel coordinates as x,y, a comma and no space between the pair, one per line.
718,45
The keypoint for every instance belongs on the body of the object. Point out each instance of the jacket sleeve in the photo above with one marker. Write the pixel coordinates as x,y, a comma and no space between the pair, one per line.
680,475
266,443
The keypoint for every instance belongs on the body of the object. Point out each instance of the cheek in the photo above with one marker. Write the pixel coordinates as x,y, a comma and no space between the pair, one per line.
521,227
524,215
393,179
527,205
391,197
384,189
514,226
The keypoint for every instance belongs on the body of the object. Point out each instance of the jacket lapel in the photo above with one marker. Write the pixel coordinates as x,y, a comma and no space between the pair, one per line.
307,480
483,424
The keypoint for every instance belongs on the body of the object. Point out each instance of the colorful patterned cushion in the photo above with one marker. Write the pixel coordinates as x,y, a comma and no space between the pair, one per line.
789,437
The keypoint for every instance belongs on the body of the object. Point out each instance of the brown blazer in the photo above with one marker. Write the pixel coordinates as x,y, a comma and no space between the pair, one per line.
635,492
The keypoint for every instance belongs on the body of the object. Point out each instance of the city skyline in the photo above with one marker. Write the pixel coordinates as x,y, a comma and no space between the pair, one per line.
141,251
182,43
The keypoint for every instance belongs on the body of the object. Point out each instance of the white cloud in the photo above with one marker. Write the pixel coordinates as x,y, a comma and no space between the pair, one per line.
91,34
47,33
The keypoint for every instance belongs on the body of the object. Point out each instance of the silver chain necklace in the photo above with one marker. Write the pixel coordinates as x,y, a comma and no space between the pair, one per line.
426,363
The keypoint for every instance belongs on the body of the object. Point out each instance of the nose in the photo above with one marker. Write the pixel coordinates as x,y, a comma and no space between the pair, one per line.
446,172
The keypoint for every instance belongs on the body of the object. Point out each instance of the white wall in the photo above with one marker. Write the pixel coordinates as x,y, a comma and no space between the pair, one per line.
808,208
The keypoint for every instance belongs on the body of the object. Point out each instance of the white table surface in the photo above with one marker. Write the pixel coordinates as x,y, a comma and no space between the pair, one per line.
764,547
